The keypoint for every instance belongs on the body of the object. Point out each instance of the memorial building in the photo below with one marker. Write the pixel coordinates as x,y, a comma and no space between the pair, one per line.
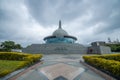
60,42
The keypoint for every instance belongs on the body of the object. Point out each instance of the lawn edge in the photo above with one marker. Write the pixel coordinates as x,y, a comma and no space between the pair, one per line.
25,71
102,74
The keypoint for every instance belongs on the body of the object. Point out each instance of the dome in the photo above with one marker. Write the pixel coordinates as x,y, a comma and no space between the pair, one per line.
60,36
60,33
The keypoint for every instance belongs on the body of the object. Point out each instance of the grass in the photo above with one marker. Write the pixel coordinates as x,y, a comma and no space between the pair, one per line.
12,61
7,66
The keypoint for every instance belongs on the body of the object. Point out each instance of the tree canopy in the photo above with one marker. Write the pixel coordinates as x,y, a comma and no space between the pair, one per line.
8,45
114,47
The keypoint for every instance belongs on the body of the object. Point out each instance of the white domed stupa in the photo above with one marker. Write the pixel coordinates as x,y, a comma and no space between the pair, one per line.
60,32
60,42
60,36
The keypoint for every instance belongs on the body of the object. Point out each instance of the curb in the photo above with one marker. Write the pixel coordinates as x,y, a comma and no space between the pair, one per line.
102,74
25,71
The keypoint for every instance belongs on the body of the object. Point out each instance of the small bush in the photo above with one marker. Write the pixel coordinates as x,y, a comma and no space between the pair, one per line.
11,56
11,61
111,57
111,66
19,56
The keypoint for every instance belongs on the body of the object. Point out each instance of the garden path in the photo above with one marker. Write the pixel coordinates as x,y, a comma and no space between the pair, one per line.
60,67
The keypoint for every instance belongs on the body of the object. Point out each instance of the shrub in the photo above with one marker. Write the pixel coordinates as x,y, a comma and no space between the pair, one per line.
11,56
111,57
20,56
11,61
108,65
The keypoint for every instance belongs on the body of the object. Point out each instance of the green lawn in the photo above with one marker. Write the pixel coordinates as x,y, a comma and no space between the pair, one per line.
7,66
11,61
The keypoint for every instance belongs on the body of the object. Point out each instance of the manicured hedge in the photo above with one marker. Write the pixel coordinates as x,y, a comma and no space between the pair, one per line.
112,66
12,56
20,56
115,57
33,58
11,61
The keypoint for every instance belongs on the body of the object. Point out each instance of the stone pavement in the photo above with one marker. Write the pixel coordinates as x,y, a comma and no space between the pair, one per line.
60,67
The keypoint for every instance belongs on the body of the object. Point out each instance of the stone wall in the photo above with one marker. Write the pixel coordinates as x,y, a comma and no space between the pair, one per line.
99,47
105,50
99,50
56,48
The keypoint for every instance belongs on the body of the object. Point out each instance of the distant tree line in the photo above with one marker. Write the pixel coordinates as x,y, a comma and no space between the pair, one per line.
114,47
9,45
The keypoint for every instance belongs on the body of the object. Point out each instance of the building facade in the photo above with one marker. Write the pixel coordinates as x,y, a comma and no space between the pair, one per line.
60,42
98,47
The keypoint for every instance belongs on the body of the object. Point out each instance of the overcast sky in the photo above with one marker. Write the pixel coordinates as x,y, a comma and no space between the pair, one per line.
29,21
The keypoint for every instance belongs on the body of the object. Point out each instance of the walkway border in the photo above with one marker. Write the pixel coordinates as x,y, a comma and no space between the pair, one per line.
102,74
24,71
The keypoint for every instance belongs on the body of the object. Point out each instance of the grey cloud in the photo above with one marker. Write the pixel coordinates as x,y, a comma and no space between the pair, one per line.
48,12
102,12
10,20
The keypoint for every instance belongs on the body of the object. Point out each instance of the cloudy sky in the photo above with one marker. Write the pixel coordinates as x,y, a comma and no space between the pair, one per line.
29,21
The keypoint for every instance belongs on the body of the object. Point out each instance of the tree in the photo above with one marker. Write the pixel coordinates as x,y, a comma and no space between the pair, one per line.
17,46
8,45
114,47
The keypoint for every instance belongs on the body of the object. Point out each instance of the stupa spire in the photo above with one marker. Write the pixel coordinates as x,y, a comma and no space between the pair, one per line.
60,24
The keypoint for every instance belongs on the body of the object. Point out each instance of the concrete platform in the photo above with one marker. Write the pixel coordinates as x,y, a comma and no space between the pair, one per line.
60,67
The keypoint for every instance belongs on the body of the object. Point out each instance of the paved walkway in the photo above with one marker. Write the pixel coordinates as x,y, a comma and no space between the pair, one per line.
60,67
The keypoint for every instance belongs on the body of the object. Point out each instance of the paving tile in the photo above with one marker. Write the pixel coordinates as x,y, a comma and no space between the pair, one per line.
35,75
61,67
